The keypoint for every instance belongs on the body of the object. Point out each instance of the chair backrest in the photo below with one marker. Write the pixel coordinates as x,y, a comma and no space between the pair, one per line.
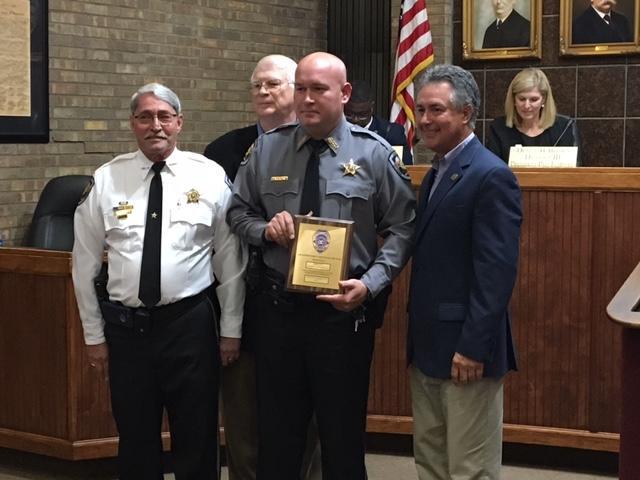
52,224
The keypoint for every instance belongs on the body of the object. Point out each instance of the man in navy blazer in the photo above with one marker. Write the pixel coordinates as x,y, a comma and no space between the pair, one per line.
464,269
359,111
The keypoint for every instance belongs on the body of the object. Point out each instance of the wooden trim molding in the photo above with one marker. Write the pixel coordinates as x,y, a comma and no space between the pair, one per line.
583,178
623,308
536,435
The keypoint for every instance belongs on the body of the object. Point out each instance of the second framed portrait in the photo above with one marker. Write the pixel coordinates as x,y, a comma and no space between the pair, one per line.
599,27
501,29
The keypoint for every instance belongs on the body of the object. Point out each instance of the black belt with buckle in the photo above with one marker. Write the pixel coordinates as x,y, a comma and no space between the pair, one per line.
142,318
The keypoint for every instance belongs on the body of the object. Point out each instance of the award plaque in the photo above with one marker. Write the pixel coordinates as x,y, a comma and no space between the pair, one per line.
320,254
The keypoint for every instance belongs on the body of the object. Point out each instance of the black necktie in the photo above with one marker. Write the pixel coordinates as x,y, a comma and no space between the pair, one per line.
607,19
149,292
310,201
498,24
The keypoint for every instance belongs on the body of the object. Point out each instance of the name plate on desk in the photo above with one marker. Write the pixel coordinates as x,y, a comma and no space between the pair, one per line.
543,157
320,254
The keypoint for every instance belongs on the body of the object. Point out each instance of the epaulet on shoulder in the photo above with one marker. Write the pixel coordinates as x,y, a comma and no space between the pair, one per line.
279,128
120,158
197,157
358,130
365,132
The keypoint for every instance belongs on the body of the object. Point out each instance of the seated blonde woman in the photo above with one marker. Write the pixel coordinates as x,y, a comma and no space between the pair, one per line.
530,117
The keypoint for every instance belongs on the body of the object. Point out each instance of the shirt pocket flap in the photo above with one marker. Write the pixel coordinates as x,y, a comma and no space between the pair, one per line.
192,213
278,189
452,312
133,219
348,189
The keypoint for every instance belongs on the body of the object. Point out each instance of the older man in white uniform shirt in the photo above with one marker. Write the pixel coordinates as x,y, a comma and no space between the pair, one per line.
160,214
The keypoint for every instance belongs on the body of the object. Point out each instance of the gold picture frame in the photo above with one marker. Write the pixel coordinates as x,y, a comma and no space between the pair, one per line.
583,32
519,37
320,254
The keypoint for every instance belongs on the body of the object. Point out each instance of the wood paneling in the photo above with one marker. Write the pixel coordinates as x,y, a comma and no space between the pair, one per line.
52,402
579,243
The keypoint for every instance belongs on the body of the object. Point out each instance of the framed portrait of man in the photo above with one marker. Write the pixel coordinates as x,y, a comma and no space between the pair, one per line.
599,27
501,29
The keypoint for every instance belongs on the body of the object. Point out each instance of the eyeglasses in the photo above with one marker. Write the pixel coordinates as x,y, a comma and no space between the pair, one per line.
146,118
352,117
269,85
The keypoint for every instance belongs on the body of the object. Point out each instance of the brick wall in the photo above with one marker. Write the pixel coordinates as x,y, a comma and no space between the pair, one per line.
101,51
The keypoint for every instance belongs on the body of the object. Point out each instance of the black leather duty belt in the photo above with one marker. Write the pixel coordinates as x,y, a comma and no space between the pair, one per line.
142,319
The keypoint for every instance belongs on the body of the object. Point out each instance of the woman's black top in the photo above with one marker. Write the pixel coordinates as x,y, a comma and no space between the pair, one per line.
563,133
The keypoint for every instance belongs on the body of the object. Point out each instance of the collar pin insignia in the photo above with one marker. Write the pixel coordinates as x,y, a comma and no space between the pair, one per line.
454,177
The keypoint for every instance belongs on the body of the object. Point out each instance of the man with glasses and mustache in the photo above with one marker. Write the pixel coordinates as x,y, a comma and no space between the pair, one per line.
160,213
271,89
598,23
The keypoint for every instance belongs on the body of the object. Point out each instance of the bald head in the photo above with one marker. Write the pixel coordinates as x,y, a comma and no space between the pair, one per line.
321,92
272,91
330,64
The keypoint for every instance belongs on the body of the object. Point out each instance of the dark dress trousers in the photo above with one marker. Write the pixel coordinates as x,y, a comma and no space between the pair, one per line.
394,135
589,27
563,133
515,31
464,266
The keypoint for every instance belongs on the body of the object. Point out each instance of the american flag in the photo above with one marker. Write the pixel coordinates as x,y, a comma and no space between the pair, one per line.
414,54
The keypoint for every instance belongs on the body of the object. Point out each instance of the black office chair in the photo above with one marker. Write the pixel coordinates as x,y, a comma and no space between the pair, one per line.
52,224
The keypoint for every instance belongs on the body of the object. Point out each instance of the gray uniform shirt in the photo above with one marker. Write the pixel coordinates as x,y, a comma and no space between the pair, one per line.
377,196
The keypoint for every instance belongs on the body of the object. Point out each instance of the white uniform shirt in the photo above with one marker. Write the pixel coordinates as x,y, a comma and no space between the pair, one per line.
194,205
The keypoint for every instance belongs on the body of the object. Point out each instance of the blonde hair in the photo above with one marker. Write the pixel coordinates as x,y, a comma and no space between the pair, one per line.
525,81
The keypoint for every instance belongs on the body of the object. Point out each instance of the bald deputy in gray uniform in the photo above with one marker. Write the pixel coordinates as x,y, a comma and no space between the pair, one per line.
314,352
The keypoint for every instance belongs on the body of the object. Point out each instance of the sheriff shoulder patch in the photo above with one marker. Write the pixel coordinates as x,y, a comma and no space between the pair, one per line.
86,191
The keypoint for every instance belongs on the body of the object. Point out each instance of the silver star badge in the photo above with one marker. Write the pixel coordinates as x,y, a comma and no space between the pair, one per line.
350,168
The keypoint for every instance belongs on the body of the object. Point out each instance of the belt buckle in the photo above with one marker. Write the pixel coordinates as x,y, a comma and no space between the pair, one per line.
142,321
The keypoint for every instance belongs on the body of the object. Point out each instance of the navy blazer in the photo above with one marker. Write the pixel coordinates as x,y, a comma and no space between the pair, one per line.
464,266
394,135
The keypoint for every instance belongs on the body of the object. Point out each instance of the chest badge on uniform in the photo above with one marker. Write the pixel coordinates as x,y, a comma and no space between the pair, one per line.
123,210
193,196
350,168
280,178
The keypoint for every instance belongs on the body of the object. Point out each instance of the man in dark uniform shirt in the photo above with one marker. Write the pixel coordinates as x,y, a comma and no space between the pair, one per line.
313,353
600,24
509,29
359,111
